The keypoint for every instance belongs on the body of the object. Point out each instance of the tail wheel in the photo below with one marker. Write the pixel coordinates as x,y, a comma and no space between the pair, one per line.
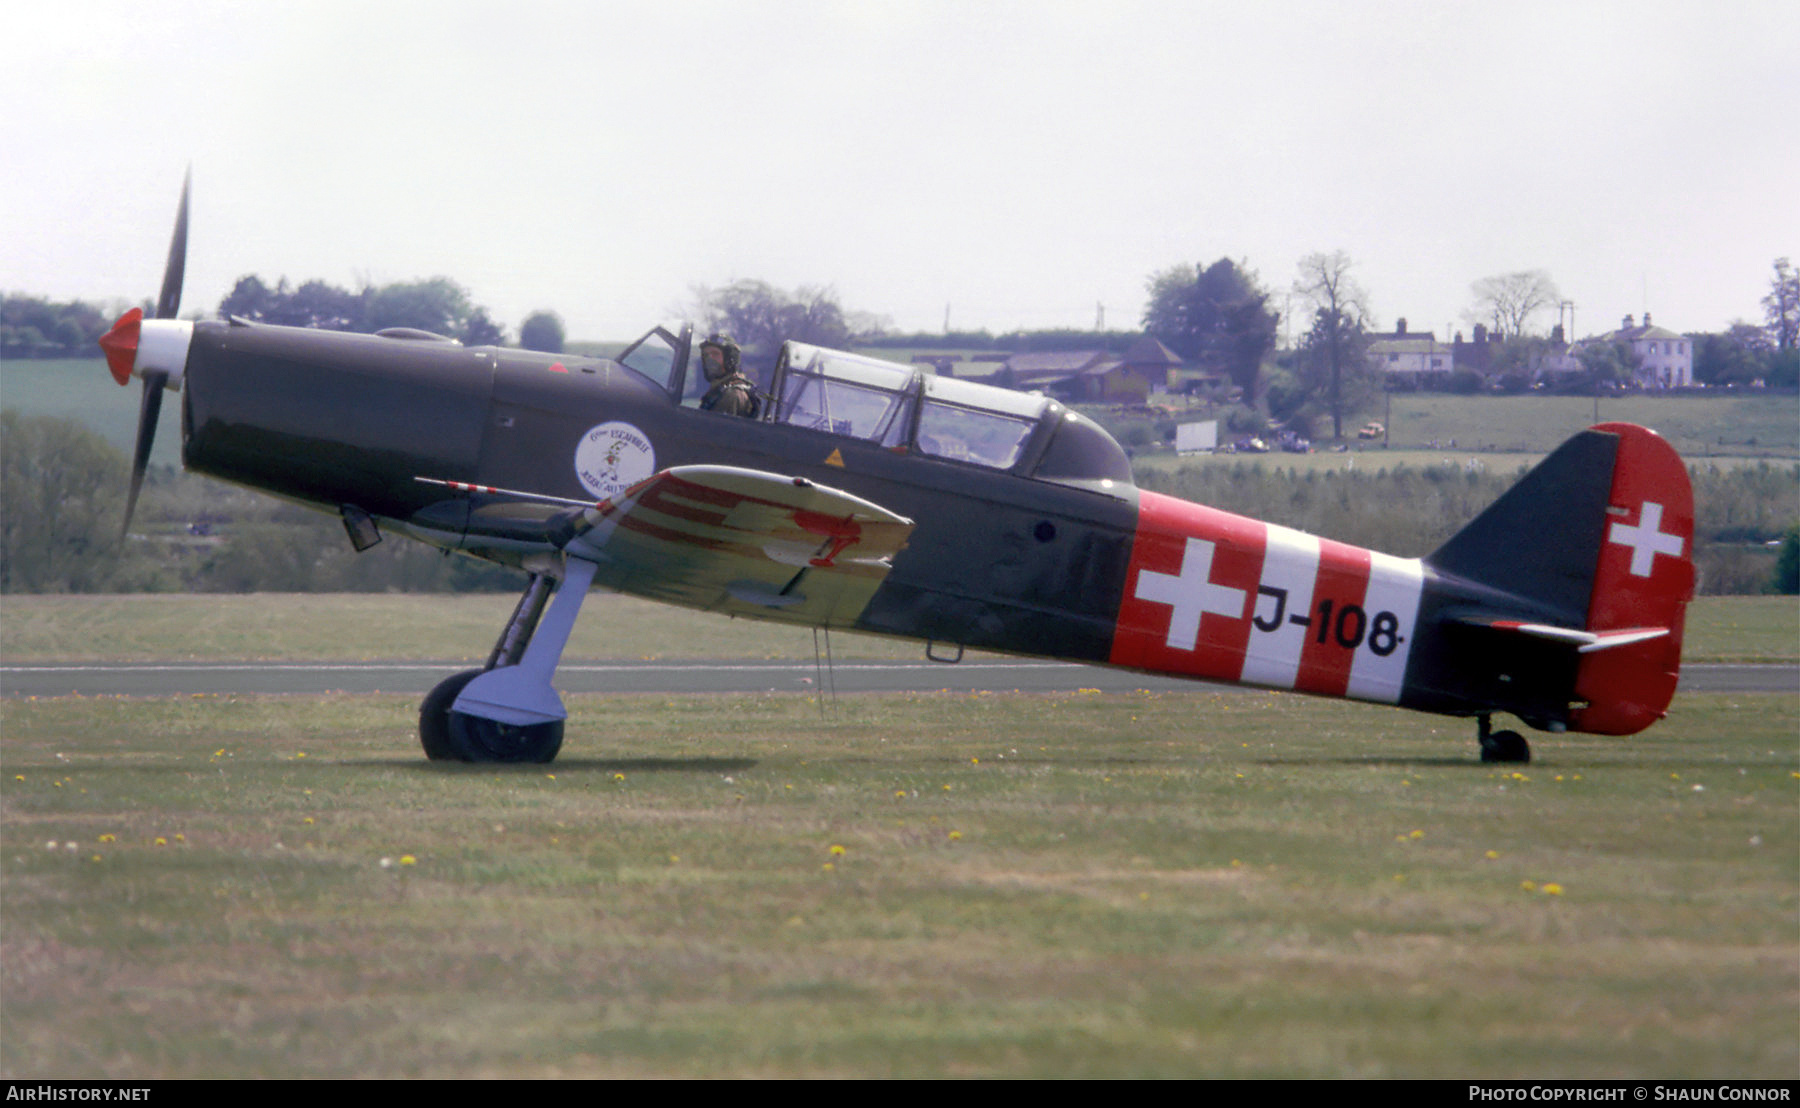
434,717
1505,746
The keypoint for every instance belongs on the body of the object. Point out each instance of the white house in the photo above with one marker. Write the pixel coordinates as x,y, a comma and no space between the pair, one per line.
1418,355
1665,359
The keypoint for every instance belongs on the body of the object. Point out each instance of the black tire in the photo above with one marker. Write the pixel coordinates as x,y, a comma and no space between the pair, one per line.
482,740
1506,746
434,717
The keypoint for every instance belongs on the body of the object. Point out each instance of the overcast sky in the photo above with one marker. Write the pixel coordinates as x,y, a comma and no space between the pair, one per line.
1018,163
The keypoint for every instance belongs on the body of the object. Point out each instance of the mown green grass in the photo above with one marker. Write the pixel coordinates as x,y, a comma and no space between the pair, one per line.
934,885
357,626
1507,431
1698,427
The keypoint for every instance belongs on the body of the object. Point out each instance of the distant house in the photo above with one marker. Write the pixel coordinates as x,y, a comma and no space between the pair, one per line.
1092,376
1155,362
1478,353
1665,359
1412,357
1042,371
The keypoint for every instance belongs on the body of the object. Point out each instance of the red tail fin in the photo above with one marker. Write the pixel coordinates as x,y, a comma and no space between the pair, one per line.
1644,580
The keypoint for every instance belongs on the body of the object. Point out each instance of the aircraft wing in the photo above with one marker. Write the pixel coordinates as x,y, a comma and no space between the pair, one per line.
743,542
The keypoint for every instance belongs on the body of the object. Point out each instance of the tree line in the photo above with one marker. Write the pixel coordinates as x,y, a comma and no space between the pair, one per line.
1222,318
35,327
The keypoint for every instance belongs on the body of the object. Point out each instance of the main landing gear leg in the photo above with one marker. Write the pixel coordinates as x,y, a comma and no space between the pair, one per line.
1501,746
508,712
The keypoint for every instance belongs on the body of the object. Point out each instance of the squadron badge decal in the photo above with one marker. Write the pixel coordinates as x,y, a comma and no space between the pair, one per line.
613,456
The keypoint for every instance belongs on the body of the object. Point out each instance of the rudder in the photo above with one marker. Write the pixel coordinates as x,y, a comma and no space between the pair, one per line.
1643,582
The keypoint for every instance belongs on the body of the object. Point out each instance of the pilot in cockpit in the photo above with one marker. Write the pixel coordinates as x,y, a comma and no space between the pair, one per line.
731,393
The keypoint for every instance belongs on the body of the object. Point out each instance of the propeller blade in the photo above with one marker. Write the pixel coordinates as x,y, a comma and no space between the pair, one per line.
154,380
169,302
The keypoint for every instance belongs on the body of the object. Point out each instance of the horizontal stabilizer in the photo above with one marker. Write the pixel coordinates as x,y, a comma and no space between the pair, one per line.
1586,642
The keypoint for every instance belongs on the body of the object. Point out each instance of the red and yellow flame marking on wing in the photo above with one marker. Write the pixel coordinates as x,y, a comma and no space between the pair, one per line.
702,516
1215,595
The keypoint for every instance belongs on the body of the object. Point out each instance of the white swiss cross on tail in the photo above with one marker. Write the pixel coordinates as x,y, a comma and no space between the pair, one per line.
1646,540
1191,594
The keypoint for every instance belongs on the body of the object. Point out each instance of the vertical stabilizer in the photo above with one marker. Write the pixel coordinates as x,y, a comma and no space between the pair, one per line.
1562,603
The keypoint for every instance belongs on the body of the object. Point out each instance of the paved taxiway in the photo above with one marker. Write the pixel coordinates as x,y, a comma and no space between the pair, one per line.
724,676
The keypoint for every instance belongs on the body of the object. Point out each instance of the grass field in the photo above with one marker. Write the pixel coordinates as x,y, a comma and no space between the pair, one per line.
358,626
939,885
1506,434
81,389
1698,427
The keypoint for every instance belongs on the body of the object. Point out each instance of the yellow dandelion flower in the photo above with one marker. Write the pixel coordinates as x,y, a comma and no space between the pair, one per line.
180,838
1528,886
836,850
301,754
972,761
408,860
18,777
1491,855
1417,834
674,858
955,835
160,841
900,792
1552,889
1237,863
109,838
308,819
828,867
618,777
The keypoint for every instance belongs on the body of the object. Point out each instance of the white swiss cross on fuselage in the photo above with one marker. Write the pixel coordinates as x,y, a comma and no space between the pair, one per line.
1191,594
1646,540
